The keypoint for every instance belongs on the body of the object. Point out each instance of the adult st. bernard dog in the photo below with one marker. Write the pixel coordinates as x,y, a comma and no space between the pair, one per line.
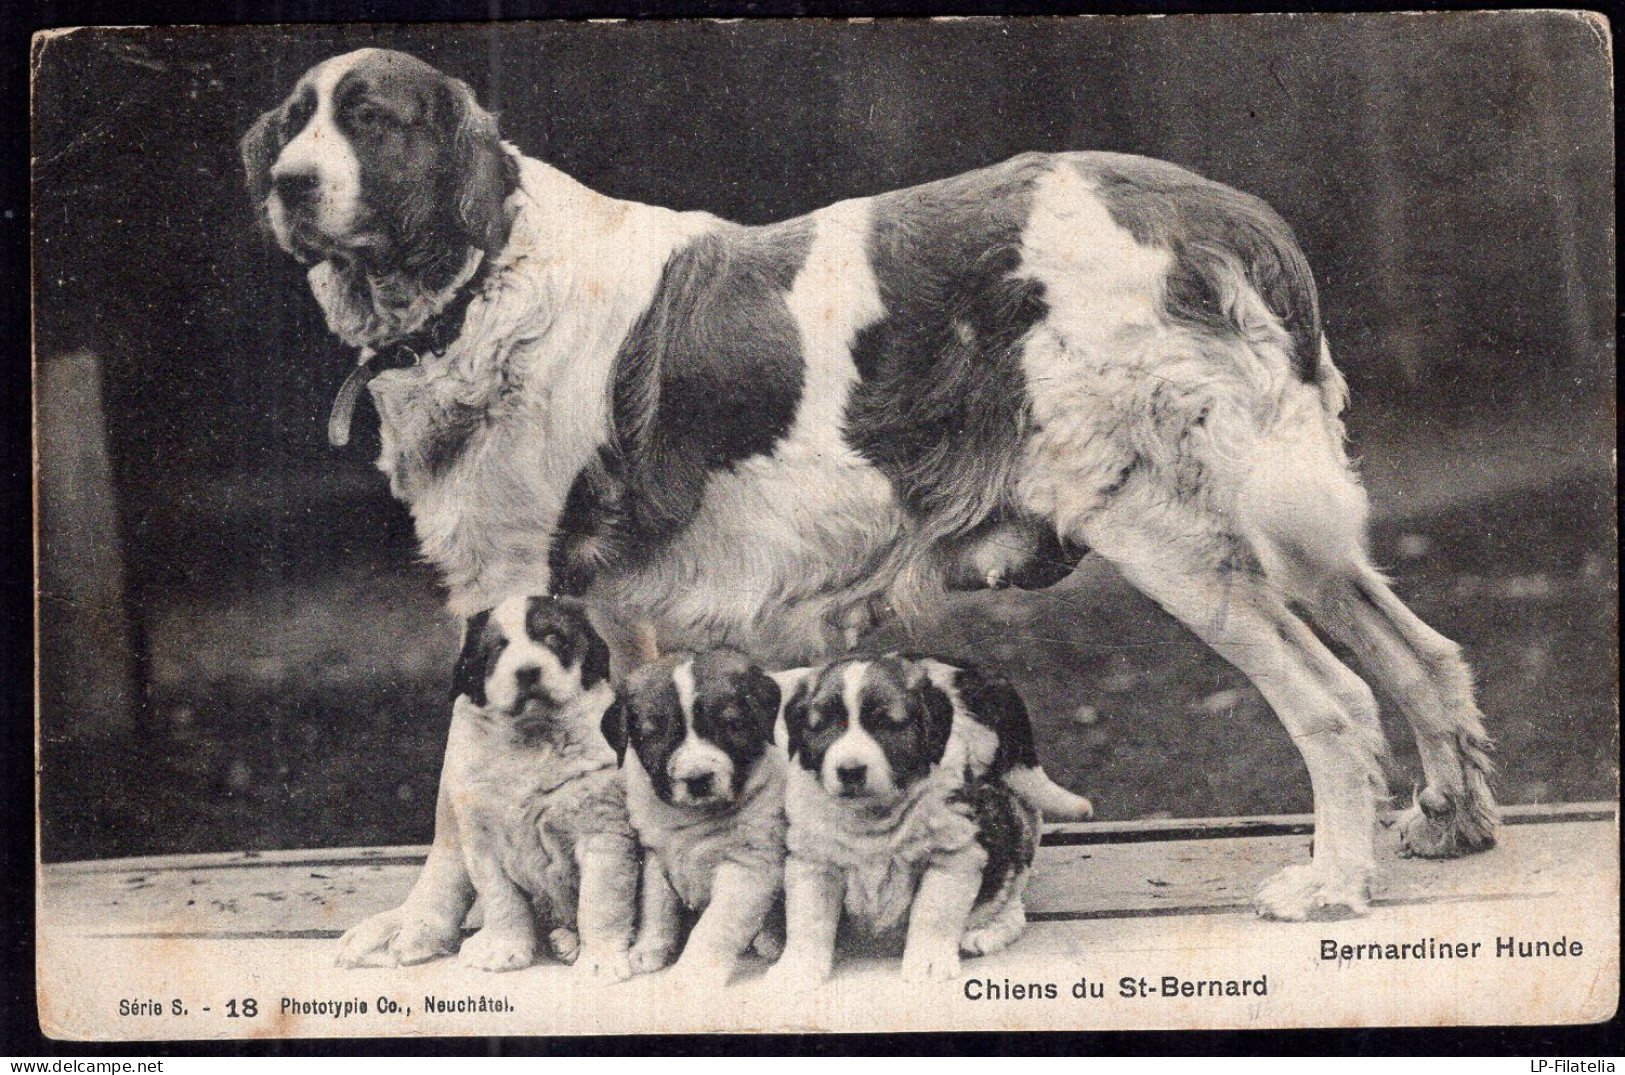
764,436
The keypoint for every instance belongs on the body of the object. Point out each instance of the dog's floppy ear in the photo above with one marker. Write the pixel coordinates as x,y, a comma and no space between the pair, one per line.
614,727
938,714
595,662
468,677
259,150
481,173
795,716
762,695
993,701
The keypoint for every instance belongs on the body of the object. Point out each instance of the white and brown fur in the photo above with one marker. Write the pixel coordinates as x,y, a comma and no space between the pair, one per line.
768,436
536,801
705,793
903,814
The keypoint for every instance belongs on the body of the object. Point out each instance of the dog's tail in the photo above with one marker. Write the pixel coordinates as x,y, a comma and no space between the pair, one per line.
1034,787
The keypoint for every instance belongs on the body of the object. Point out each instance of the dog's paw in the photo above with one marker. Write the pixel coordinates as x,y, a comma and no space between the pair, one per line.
1307,890
1439,827
648,958
395,938
791,977
565,944
993,937
499,950
769,944
939,965
603,964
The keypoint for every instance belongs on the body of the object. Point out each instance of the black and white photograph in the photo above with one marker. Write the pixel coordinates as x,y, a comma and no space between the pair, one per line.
815,525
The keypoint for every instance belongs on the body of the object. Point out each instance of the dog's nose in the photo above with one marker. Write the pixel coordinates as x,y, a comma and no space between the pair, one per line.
851,776
698,786
295,189
528,681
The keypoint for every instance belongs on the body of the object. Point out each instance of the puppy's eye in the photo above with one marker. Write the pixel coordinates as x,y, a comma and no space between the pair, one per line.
553,641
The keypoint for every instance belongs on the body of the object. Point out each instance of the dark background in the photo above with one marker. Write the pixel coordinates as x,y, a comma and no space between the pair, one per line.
1450,176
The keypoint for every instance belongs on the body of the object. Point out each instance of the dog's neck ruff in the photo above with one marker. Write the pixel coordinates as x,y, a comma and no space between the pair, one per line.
441,324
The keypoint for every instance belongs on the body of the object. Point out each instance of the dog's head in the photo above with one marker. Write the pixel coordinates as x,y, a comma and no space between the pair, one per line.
378,159
868,729
530,650
698,725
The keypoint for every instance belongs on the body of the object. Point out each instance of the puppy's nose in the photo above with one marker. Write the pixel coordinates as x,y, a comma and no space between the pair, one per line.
295,189
851,776
528,681
698,786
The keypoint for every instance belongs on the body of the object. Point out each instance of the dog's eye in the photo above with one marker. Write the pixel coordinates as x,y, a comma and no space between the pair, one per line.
553,641
367,114
295,116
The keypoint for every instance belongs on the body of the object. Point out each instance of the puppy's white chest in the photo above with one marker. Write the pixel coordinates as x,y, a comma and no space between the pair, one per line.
879,891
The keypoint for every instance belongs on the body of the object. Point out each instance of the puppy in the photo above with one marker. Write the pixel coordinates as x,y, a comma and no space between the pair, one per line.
912,800
536,801
705,793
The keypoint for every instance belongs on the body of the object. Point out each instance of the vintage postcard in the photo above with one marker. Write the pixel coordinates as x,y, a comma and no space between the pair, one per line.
564,528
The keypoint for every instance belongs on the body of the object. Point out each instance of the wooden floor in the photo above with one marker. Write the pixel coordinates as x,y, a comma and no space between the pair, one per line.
1109,902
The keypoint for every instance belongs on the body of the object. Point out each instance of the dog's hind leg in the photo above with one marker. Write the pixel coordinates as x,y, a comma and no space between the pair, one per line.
1424,674
1305,513
1213,584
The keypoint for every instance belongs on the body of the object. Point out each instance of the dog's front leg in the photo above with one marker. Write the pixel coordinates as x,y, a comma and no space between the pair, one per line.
507,939
813,895
657,919
430,922
608,901
740,900
942,904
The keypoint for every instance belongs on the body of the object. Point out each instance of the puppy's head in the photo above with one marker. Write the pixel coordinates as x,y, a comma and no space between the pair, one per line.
868,729
530,649
379,159
698,724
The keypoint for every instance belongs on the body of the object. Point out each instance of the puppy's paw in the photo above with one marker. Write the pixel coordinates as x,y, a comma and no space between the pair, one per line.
603,964
993,937
769,944
565,944
648,958
496,949
790,977
1308,890
397,937
938,965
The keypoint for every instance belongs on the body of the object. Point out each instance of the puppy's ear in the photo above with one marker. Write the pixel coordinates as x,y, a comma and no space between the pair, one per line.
595,662
480,172
762,696
468,677
993,701
259,148
795,717
937,711
614,727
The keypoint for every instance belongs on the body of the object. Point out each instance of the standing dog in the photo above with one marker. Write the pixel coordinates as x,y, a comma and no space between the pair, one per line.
705,792
764,436
903,813
536,801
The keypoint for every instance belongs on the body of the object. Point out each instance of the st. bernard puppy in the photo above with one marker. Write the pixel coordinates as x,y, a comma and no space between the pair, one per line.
903,815
767,436
532,790
705,793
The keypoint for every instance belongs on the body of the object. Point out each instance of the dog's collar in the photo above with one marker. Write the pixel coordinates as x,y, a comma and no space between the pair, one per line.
432,337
